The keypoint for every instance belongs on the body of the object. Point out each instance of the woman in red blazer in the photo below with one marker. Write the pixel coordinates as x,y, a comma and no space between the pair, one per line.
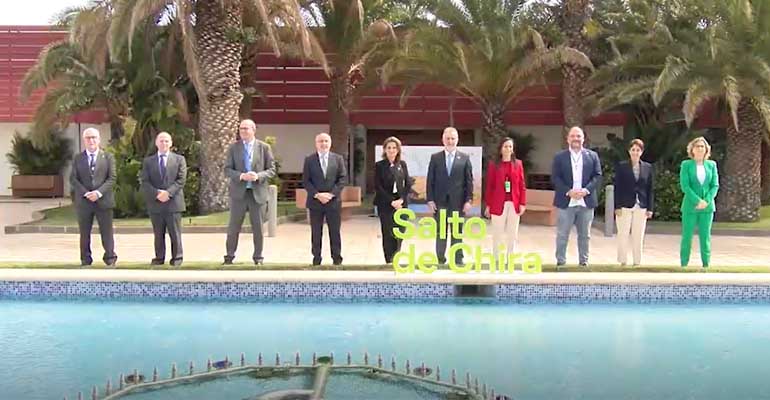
506,197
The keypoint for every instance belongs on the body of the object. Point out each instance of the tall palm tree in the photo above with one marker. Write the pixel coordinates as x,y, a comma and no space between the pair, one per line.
480,49
574,16
354,33
211,32
697,51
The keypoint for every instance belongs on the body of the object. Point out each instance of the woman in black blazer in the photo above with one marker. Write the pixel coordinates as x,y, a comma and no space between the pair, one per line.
392,186
634,198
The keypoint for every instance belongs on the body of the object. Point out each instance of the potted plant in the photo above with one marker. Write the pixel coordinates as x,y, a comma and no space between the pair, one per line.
38,170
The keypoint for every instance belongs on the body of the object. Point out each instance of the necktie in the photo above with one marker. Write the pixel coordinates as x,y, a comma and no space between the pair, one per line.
323,163
449,160
163,167
92,163
247,161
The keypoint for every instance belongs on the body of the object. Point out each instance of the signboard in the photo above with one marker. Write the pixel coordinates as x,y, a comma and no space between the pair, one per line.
417,159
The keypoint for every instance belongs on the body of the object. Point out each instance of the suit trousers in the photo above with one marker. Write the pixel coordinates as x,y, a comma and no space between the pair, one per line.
390,243
631,222
703,221
441,243
333,221
238,210
581,217
161,224
505,229
85,224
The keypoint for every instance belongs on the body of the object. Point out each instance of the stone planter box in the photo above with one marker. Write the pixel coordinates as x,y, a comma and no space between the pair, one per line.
37,185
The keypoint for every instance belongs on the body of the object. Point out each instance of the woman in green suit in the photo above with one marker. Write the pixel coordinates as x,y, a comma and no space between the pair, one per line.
699,180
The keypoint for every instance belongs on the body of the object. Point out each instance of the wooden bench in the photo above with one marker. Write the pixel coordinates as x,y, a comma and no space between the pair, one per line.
350,197
540,209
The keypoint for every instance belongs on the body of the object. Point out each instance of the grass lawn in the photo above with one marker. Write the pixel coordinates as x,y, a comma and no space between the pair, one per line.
762,224
208,265
65,216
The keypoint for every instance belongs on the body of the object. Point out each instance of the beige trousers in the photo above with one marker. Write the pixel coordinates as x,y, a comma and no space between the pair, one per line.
631,223
505,229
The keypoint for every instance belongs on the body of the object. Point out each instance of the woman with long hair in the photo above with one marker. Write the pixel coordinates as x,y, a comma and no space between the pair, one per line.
505,196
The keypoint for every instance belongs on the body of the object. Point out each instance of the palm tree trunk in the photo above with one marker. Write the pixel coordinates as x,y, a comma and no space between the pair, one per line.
493,131
765,168
248,80
339,113
219,59
739,198
574,17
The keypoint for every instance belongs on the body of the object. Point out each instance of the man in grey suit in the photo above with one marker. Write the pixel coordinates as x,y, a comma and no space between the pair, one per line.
92,179
163,178
249,165
449,187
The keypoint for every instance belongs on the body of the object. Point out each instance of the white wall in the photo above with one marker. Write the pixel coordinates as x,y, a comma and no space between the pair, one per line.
293,142
7,130
549,140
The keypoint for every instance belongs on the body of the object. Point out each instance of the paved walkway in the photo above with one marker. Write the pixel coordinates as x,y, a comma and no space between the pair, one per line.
361,244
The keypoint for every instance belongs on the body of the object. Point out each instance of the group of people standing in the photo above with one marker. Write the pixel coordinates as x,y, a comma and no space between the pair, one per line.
576,176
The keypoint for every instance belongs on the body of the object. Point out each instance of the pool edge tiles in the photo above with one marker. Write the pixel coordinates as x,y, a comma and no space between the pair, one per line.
520,292
214,291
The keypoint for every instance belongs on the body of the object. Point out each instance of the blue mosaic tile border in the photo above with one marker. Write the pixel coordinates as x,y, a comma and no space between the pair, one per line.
529,292
386,291
223,291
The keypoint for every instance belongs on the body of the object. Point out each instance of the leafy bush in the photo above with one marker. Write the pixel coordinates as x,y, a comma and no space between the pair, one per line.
26,159
276,180
668,195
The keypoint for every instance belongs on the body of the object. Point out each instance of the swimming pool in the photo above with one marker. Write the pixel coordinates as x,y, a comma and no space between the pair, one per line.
531,351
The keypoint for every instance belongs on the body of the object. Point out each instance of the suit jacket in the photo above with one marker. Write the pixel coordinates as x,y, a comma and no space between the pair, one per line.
103,180
694,191
152,182
262,162
561,178
384,176
314,181
450,190
495,189
628,188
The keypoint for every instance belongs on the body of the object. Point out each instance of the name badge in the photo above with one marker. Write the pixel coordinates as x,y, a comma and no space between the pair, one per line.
507,186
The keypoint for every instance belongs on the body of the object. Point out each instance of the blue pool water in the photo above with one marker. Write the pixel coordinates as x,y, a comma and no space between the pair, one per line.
532,351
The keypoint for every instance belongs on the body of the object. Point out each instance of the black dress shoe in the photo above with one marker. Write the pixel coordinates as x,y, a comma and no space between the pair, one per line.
584,264
157,262
176,263
111,262
228,261
316,261
337,262
259,261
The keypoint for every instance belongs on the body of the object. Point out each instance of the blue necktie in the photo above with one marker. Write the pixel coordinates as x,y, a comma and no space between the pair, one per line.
163,167
247,161
449,160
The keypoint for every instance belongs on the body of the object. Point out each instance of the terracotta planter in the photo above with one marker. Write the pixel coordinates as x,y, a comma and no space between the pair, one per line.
37,185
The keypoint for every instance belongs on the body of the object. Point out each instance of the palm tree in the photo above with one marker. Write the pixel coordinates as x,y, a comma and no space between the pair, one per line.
480,49
355,33
574,16
211,32
76,73
700,51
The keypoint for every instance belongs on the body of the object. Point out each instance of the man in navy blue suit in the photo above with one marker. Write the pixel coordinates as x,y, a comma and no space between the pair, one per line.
576,175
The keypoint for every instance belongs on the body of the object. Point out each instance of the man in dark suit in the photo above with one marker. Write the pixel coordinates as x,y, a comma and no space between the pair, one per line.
449,188
323,177
163,178
576,175
249,165
92,179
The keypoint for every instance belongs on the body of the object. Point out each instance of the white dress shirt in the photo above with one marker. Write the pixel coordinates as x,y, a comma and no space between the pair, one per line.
700,172
576,160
